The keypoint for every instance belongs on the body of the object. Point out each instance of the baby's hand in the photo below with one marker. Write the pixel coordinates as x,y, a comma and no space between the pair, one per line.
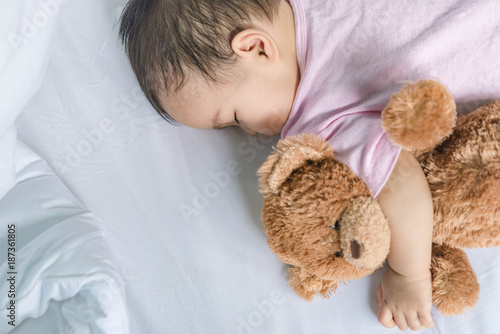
405,301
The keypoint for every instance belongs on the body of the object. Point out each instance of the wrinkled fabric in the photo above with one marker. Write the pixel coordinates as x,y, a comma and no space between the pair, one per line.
353,55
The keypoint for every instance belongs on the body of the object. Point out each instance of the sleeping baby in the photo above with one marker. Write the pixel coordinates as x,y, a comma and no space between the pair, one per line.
325,67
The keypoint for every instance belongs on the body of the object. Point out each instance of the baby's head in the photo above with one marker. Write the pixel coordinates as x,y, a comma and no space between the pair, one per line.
214,63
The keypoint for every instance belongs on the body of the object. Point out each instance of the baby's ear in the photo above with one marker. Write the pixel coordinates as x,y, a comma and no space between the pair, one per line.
291,153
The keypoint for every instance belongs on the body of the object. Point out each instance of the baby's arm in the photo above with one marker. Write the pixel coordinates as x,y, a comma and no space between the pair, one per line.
406,291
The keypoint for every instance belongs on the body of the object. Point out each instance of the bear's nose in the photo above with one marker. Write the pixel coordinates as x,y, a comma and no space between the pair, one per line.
355,249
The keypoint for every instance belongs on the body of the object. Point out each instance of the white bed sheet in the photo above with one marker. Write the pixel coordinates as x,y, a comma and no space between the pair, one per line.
180,207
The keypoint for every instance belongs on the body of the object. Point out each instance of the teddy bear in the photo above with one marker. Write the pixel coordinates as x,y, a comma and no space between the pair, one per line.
321,220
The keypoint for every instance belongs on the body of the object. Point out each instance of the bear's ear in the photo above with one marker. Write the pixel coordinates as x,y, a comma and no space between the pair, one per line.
291,153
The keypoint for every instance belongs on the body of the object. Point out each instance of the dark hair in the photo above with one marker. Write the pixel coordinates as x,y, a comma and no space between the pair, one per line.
166,38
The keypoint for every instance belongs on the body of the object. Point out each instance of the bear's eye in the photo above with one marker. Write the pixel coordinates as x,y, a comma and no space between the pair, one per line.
336,227
338,253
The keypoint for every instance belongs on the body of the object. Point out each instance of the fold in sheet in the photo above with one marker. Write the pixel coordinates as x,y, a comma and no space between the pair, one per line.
60,254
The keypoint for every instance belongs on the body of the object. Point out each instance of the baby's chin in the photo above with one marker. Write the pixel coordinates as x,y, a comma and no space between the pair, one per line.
267,136
271,133
275,127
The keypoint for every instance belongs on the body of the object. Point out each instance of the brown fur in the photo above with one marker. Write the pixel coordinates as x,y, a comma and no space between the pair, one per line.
454,283
319,216
411,112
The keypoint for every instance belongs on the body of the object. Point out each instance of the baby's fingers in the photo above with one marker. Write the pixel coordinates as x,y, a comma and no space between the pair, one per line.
426,319
400,320
385,317
414,322
379,295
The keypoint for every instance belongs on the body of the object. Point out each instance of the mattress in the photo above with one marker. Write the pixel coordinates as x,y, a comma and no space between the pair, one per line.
127,224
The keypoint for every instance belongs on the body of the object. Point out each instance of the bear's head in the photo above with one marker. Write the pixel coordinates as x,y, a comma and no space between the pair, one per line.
319,217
